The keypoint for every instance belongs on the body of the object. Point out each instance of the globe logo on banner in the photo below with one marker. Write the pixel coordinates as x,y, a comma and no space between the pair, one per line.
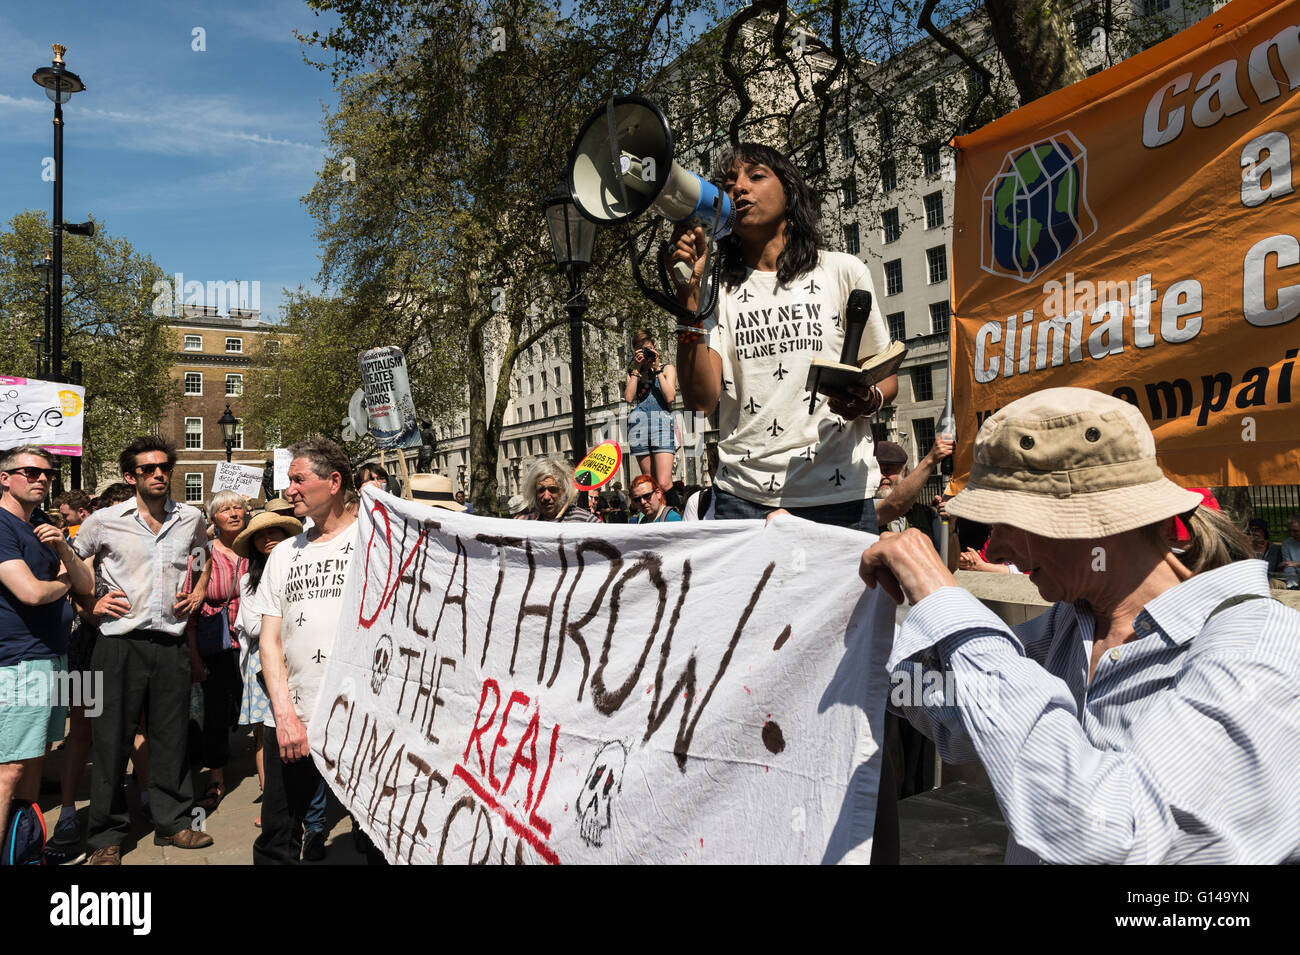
1036,208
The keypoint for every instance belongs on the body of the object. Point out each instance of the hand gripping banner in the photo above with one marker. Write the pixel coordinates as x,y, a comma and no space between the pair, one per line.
519,691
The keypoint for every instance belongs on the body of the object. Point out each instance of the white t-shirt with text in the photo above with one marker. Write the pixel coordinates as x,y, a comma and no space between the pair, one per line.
303,585
772,451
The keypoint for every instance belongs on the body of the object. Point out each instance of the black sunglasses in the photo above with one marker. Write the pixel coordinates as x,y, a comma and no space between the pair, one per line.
638,498
145,470
34,474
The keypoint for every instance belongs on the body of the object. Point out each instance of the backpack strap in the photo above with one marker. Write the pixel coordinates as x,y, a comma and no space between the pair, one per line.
1233,601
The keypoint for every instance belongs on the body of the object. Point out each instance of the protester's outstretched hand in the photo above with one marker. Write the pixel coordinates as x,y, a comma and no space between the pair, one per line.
906,565
942,448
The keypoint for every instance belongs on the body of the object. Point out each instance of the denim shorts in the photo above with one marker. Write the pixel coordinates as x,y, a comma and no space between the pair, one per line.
28,720
650,431
858,515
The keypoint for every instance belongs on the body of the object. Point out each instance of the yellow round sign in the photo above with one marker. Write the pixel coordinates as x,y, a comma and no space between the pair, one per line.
600,464
71,403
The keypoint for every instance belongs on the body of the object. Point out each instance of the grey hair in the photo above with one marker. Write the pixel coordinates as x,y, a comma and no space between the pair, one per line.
9,458
547,467
223,499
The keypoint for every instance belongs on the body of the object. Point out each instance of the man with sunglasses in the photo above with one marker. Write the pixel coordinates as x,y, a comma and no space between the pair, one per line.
146,547
37,569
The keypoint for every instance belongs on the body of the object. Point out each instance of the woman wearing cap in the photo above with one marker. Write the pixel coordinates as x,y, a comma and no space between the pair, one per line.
1151,714
254,545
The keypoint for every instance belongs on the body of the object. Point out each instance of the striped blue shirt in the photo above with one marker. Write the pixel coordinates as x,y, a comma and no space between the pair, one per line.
1185,747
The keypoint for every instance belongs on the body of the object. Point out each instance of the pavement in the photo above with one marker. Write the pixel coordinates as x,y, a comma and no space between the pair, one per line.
231,825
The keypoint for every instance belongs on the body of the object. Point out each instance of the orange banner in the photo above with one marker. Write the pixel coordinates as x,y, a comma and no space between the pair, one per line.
1137,234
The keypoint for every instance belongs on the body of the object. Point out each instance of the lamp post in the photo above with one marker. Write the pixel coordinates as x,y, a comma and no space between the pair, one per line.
229,423
59,84
46,268
572,238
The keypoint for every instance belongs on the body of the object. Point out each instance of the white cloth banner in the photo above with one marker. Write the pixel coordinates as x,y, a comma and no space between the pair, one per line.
47,413
585,693
241,478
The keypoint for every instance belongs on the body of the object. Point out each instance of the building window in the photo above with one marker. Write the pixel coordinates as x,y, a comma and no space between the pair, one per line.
194,382
939,312
851,243
544,384
1085,22
531,387
238,444
886,126
888,176
194,343
936,261
559,406
889,220
923,431
894,277
847,150
927,106
934,210
1152,7
234,346
922,384
546,408
193,487
559,380
273,346
193,434
897,326
532,412
930,158
849,193
234,386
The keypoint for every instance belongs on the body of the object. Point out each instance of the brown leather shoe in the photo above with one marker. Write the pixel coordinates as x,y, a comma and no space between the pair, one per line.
185,839
108,855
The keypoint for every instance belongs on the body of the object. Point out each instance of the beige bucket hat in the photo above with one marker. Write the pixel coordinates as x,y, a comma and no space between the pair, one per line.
1069,463
267,519
434,489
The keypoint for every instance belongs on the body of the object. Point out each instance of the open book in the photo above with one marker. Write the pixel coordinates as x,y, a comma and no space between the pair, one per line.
826,374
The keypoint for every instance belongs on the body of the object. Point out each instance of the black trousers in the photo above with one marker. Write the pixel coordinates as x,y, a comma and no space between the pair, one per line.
221,695
140,669
285,799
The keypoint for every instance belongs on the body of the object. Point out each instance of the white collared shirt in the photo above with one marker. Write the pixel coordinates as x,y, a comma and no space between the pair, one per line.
149,568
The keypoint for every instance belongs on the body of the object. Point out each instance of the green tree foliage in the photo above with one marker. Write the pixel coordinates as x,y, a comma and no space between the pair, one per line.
108,325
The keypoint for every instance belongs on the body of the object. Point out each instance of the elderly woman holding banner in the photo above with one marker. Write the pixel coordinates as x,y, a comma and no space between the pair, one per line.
1151,714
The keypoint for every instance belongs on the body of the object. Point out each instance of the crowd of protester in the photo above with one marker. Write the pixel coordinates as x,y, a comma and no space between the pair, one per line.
1114,707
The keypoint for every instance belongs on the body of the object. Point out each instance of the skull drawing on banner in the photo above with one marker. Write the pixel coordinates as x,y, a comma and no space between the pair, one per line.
595,800
380,662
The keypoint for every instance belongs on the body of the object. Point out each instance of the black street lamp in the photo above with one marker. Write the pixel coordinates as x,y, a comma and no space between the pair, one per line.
229,423
572,238
46,268
59,84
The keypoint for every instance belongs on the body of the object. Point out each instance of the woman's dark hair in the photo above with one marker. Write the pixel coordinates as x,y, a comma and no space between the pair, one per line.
1258,522
256,564
114,494
369,472
802,236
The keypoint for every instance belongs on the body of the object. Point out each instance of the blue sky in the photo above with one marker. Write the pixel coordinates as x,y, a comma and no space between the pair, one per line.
200,159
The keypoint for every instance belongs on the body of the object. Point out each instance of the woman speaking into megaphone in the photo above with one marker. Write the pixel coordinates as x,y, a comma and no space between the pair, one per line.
782,303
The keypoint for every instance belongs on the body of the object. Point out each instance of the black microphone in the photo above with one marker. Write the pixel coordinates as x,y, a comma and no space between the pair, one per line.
855,322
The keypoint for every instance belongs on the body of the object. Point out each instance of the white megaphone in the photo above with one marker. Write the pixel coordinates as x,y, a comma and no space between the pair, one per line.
622,166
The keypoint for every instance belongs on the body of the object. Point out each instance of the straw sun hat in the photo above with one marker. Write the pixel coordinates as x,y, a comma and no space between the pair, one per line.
265,521
1069,463
434,489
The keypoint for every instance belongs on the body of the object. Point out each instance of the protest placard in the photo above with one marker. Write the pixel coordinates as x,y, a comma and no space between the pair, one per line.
280,476
47,413
241,478
511,691
390,408
1135,233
